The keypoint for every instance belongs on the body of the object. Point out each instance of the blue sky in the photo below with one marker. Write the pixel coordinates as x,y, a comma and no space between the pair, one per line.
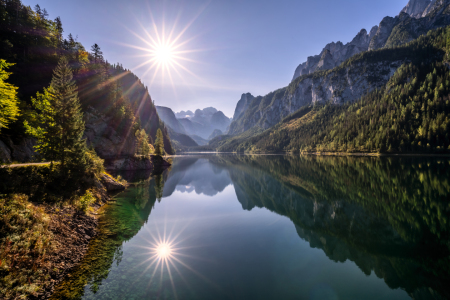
229,47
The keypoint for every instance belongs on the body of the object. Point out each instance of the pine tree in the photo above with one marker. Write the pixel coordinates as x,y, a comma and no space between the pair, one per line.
9,109
142,143
69,116
59,31
97,53
42,125
58,123
159,143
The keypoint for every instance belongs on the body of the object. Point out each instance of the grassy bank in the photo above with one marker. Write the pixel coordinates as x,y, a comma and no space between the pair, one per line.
47,219
41,244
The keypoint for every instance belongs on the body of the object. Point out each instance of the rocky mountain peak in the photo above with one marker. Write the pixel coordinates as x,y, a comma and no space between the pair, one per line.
242,105
373,31
415,8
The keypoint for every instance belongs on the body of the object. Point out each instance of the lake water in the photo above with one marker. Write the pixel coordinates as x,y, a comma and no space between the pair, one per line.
274,227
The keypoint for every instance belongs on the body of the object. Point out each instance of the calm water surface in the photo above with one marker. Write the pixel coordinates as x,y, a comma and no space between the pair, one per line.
274,227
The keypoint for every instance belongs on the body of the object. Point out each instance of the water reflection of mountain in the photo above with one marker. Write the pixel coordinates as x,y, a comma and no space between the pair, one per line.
389,216
196,174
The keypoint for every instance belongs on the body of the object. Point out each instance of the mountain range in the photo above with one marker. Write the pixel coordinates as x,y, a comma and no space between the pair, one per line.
200,126
410,45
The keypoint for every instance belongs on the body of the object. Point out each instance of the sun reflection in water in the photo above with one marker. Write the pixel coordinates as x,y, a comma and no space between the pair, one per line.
165,256
164,251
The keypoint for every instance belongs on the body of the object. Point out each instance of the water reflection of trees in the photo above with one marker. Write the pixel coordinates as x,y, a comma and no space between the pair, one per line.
388,215
119,224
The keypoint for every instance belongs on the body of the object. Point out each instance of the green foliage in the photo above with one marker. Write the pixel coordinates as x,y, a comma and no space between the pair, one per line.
121,180
44,183
142,143
35,44
24,243
41,124
159,143
94,164
85,201
58,121
71,147
9,109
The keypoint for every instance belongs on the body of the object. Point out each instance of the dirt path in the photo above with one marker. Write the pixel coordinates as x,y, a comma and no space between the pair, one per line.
24,165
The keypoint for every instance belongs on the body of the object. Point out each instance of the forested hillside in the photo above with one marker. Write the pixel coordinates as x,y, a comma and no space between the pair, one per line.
34,44
410,114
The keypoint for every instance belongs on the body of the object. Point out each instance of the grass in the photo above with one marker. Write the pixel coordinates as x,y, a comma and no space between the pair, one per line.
119,178
27,240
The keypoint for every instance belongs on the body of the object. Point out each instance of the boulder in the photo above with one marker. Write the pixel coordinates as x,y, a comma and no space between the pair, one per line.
5,153
110,184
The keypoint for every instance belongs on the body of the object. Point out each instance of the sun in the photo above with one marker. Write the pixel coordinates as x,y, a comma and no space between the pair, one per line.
164,54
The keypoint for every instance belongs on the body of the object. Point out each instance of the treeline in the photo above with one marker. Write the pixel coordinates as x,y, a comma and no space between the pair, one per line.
34,44
408,115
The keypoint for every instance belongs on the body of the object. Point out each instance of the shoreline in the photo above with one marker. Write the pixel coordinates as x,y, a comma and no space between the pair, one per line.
74,231
68,230
359,154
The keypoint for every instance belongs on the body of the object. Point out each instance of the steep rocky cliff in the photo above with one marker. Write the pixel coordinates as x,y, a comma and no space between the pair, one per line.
344,73
346,83
415,19
415,8
335,53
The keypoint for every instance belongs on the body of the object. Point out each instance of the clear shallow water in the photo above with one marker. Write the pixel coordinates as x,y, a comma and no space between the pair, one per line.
275,227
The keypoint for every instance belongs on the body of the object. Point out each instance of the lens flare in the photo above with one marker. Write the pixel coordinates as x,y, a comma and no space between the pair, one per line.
164,254
164,251
165,49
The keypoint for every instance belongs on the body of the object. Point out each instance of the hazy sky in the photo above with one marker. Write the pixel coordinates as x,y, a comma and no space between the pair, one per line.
230,46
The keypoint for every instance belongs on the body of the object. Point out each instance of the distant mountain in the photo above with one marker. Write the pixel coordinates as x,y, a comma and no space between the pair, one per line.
199,140
184,114
181,141
195,128
168,117
215,133
204,121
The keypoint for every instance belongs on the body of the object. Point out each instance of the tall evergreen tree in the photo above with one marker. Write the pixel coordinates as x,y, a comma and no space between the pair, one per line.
159,143
59,31
97,53
58,124
9,109
69,116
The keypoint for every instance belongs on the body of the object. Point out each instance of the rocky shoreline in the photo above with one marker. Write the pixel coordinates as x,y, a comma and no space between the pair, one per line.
73,231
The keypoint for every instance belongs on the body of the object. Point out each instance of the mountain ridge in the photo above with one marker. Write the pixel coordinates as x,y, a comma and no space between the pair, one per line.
363,72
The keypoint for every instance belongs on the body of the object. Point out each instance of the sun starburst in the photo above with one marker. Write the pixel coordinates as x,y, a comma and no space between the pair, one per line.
165,51
164,253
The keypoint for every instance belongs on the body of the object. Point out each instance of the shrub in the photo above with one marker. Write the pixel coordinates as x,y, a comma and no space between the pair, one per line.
85,201
94,163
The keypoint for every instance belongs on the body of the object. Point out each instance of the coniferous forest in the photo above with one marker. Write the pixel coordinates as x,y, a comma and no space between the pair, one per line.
410,114
31,46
